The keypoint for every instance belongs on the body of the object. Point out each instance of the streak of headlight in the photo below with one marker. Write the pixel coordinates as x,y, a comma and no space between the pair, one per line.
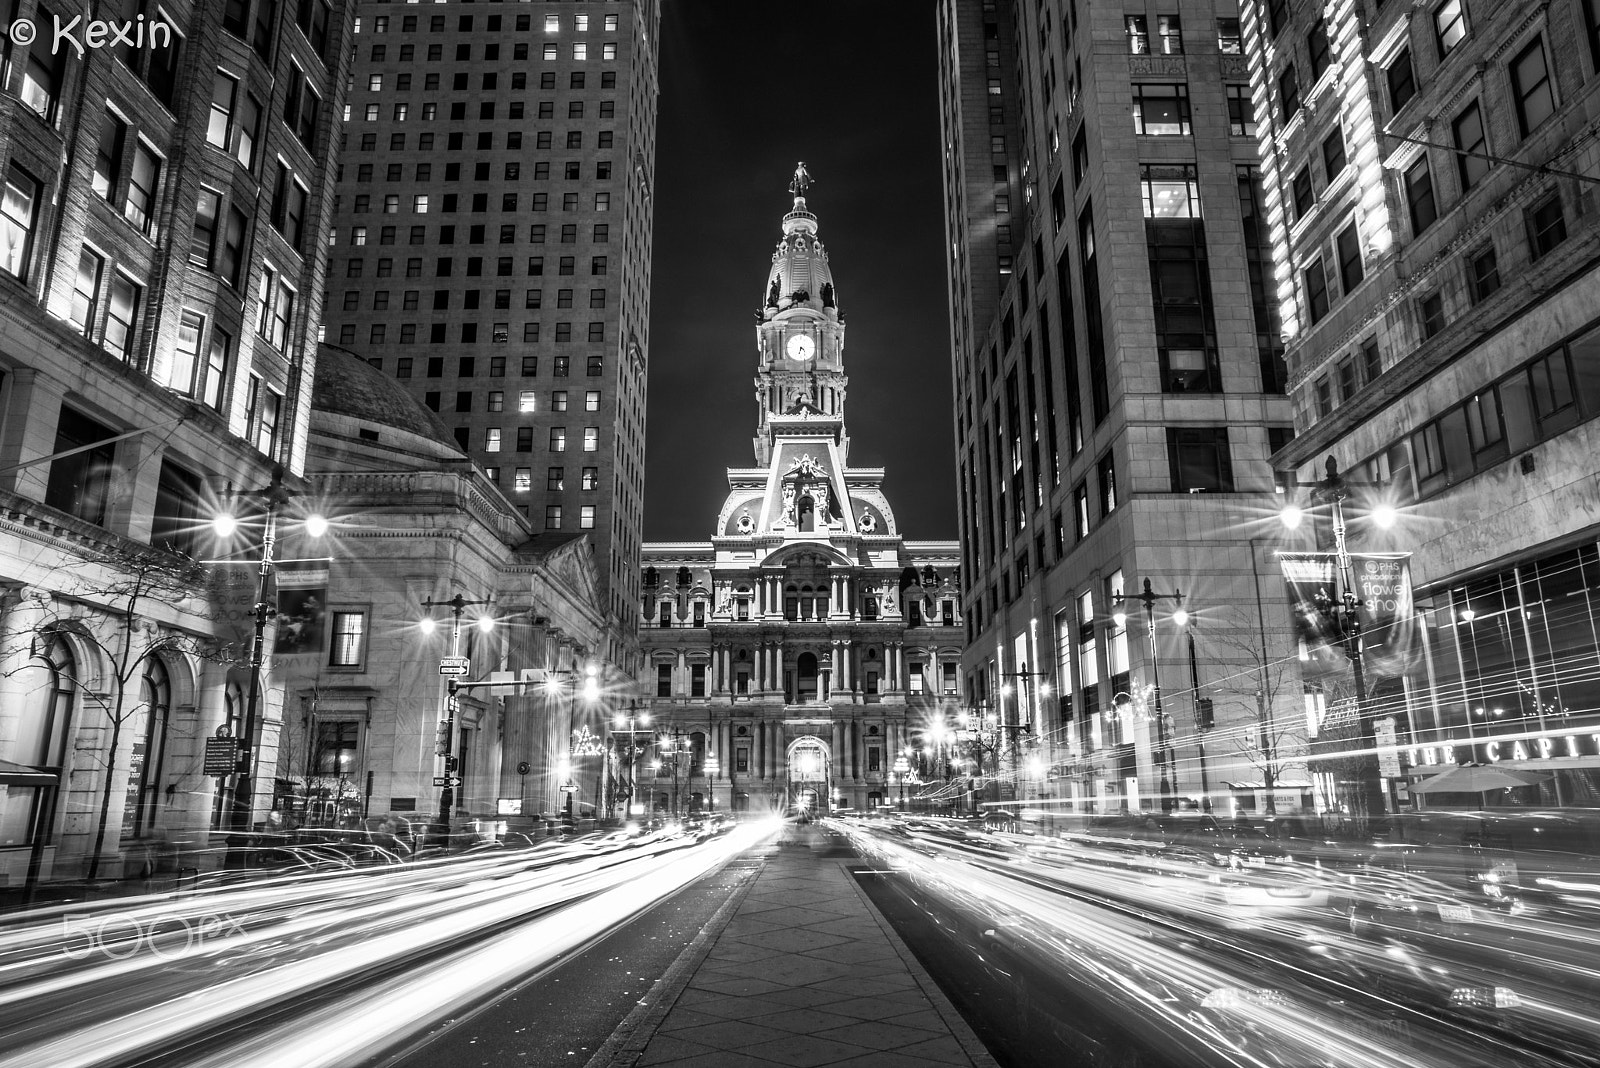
639,883
333,1035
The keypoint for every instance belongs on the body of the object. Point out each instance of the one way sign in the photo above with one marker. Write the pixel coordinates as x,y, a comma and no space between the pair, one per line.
451,781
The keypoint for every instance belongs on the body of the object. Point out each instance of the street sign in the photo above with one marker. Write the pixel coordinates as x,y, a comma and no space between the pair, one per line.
222,756
454,665
451,781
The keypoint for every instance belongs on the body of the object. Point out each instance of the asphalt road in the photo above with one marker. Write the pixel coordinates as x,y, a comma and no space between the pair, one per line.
565,1014
1026,1014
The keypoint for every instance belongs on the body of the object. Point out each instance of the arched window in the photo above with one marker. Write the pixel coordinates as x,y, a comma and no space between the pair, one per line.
50,689
697,753
149,751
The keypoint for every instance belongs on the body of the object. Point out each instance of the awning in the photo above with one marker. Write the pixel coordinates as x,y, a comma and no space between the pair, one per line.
14,774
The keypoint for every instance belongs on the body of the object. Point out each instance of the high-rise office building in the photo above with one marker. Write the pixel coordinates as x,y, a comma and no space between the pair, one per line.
1119,389
1430,175
491,249
163,218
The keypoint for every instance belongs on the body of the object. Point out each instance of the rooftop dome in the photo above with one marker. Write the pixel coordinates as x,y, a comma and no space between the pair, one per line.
800,276
348,385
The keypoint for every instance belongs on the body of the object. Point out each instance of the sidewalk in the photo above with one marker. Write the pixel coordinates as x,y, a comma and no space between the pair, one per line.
797,970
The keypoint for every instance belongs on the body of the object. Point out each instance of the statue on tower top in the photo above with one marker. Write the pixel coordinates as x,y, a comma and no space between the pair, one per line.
801,181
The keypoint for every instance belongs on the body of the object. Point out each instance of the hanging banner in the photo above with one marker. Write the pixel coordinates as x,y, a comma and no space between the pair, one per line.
1388,619
302,598
1383,590
1310,580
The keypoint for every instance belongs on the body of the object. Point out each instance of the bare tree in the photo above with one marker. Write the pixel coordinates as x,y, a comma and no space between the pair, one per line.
118,586
1272,743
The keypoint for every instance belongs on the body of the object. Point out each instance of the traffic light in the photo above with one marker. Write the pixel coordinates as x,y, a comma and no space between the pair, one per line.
441,738
1204,716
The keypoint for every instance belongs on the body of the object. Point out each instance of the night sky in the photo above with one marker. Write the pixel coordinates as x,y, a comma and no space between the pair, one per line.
746,90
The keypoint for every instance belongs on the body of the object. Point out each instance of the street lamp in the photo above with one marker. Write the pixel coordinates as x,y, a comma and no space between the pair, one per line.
631,723
902,767
1035,692
276,496
452,701
712,767
1203,715
1148,598
1346,613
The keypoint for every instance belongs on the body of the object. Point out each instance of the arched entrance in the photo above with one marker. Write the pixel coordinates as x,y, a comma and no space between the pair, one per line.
810,772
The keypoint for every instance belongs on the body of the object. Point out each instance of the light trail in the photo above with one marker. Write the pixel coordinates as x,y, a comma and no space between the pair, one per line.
352,939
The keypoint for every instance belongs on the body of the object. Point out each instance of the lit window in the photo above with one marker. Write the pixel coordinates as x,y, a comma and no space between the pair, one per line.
591,438
349,631
586,517
527,401
492,440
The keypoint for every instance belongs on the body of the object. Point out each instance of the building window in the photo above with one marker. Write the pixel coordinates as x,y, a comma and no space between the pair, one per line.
121,311
1402,80
1530,84
1317,49
42,75
1169,35
1241,111
558,439
1333,155
1107,470
1546,226
586,517
1316,291
1080,511
86,292
1138,30
1161,110
1199,459
1483,273
1467,130
1289,92
1300,188
349,635
1419,196
1350,270
591,438
181,375
552,517
1431,311
1449,26
80,483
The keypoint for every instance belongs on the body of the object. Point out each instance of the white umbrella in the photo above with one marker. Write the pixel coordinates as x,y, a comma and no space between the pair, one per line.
1475,779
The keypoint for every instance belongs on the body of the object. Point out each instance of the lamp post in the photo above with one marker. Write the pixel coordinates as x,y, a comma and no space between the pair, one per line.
902,767
452,701
712,767
1333,490
1164,759
631,723
1040,691
276,496
1203,722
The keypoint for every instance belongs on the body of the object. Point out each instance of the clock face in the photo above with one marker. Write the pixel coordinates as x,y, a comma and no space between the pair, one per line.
801,347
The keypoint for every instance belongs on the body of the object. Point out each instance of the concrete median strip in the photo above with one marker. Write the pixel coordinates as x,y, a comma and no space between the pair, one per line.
798,969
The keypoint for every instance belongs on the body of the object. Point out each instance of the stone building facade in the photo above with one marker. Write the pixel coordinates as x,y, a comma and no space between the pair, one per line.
492,245
808,641
1119,388
363,693
1429,178
165,211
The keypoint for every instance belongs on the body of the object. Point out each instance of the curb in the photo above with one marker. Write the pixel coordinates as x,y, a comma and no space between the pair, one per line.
971,1044
627,1043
